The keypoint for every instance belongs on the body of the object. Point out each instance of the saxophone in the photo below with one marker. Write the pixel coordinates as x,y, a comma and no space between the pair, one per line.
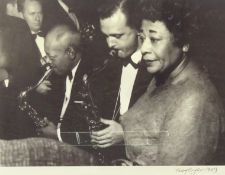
91,115
26,108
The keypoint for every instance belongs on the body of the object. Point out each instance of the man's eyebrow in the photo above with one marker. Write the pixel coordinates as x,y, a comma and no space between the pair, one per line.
116,34
152,31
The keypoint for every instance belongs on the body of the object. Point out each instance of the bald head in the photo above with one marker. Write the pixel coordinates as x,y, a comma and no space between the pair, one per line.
62,46
63,37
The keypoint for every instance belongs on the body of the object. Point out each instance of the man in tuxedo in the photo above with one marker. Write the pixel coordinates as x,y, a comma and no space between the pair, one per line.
32,50
125,79
78,14
63,47
27,67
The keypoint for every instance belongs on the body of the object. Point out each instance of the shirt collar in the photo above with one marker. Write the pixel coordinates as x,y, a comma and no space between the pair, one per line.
75,69
136,56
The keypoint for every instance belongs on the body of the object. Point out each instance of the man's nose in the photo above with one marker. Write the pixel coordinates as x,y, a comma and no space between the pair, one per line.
37,17
146,46
111,42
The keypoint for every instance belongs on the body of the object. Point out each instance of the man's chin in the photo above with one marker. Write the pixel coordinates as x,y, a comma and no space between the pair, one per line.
122,55
58,72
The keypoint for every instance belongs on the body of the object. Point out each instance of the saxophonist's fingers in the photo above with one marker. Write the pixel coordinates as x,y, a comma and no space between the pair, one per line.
47,82
101,132
104,137
104,145
104,142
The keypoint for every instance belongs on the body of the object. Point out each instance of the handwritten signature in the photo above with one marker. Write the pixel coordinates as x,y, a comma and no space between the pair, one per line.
196,171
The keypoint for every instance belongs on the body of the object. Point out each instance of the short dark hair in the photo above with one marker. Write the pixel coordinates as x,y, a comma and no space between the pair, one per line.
176,15
108,7
20,4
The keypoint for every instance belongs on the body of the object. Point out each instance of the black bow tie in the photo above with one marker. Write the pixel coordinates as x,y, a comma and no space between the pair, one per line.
125,62
70,75
39,34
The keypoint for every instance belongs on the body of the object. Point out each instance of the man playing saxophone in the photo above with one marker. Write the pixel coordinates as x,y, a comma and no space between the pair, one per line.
63,47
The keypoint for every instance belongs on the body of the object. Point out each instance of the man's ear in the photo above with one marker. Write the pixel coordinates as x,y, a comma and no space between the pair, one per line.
71,52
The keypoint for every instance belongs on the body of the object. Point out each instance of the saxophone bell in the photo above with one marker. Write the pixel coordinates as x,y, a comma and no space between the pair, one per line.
24,105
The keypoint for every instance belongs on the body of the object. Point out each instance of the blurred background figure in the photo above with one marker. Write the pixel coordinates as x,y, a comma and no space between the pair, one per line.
4,96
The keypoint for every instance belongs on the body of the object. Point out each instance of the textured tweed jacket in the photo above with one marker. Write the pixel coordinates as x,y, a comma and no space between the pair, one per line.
176,122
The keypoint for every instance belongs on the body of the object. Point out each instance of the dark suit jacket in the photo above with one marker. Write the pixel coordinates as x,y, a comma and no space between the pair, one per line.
111,77
24,55
24,67
74,119
26,72
8,104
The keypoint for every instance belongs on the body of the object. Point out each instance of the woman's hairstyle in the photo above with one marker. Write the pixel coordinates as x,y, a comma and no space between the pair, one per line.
175,14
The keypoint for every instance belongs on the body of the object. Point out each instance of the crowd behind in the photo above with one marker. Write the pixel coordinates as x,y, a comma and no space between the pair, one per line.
126,65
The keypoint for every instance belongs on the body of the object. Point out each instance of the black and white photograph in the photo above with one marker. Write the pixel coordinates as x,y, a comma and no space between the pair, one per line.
112,83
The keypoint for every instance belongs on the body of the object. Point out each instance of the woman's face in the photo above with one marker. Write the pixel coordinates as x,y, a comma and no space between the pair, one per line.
157,46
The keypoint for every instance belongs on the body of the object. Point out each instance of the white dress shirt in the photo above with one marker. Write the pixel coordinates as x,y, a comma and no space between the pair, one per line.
39,40
69,86
128,77
40,43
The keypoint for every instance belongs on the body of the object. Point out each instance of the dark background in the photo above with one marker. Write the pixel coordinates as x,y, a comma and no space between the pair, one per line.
209,44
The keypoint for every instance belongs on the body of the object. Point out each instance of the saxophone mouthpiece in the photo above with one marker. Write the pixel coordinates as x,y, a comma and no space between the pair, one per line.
113,53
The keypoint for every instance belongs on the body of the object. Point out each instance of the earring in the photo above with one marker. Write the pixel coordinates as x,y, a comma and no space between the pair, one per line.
185,48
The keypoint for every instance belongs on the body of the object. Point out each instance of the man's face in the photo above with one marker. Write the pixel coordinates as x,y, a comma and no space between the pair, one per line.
33,15
158,48
60,60
119,36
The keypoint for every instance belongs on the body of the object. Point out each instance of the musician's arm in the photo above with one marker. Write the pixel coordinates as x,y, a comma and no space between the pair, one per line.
44,87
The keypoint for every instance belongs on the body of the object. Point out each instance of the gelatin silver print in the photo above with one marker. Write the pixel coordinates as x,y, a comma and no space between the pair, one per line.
112,83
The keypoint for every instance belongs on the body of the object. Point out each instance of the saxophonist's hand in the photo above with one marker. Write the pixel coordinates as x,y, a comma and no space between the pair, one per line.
44,87
109,136
50,131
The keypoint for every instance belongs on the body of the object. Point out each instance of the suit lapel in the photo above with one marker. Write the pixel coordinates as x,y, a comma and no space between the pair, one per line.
141,83
77,82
